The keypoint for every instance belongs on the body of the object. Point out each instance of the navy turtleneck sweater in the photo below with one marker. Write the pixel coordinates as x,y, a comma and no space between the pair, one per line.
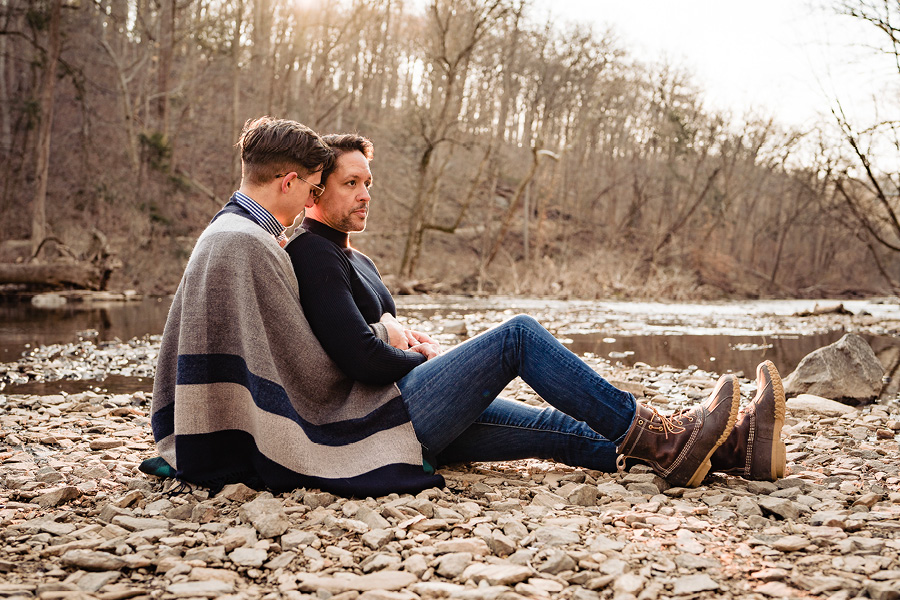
341,293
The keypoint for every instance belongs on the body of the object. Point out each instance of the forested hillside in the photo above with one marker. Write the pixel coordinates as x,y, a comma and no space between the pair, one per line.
511,154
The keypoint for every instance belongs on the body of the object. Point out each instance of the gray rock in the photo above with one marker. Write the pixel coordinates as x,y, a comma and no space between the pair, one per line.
415,564
267,516
557,561
583,495
295,538
371,518
205,589
380,561
693,584
878,590
384,580
551,535
845,370
501,544
780,507
629,583
248,557
57,496
139,523
377,538
747,507
317,499
452,565
791,543
497,574
92,560
474,546
92,582
809,403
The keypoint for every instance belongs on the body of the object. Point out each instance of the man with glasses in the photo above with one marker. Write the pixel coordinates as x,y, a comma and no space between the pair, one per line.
451,398
243,390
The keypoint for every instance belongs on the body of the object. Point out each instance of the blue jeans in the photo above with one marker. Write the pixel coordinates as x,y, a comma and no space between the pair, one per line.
452,402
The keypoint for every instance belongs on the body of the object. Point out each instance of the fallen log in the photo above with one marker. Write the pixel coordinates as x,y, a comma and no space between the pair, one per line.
67,274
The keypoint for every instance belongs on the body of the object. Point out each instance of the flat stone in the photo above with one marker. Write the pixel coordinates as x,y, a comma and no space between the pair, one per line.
106,443
376,539
248,557
92,560
780,507
497,574
139,523
771,574
551,535
777,589
237,492
206,589
791,543
92,582
692,584
267,516
810,403
384,580
548,500
295,538
57,496
452,565
474,546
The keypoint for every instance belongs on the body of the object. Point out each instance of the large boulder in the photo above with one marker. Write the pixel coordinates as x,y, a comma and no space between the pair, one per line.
846,370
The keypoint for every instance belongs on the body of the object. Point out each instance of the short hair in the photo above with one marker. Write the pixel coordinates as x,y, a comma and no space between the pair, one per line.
346,142
270,147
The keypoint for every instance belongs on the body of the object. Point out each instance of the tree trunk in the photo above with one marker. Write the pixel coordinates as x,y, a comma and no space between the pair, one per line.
81,275
42,148
166,49
236,83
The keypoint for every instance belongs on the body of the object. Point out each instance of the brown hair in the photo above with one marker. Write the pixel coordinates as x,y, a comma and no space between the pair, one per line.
273,146
346,142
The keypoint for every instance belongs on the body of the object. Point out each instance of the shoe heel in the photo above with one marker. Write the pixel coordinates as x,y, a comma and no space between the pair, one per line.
780,458
699,475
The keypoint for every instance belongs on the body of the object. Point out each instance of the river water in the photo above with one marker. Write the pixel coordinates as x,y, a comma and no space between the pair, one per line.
719,337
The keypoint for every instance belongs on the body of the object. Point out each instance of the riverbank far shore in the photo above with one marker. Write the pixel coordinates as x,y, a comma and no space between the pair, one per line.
78,520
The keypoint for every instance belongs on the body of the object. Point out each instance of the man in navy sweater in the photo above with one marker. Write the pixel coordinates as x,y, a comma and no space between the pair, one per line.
452,398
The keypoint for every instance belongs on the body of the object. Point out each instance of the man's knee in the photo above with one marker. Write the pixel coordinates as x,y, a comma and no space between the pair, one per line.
524,322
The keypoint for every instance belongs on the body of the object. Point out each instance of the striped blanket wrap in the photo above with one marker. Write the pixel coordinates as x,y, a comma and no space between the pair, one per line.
245,393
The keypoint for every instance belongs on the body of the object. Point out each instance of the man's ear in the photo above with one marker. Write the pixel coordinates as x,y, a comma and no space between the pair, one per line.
286,182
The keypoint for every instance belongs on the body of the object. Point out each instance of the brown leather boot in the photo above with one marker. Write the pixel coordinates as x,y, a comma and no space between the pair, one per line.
754,450
678,447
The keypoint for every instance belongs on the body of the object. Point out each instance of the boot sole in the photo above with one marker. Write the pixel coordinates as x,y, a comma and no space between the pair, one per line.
698,476
779,453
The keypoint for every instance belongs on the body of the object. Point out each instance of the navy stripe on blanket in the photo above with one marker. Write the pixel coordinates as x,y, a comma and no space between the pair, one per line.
163,422
200,461
269,396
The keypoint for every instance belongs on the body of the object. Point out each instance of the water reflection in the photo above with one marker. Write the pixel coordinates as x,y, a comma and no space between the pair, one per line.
709,352
23,325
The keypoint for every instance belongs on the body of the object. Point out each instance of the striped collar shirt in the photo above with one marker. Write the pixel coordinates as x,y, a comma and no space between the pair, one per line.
262,216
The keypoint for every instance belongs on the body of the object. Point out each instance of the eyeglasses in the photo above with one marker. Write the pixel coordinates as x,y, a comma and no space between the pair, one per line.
315,189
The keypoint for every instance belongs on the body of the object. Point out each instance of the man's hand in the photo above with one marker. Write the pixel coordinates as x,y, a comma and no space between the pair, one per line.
415,338
396,333
428,350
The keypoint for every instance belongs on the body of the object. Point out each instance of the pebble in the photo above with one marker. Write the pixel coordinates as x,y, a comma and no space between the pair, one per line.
76,517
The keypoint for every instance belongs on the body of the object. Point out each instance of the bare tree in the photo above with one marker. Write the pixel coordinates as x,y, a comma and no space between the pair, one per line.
50,61
870,192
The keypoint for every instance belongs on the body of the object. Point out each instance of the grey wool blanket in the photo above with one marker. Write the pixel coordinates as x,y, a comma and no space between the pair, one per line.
245,393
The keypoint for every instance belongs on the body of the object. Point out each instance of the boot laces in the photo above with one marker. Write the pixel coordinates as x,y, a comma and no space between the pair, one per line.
670,424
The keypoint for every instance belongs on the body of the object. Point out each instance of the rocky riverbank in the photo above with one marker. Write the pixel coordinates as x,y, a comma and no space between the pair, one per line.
77,519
